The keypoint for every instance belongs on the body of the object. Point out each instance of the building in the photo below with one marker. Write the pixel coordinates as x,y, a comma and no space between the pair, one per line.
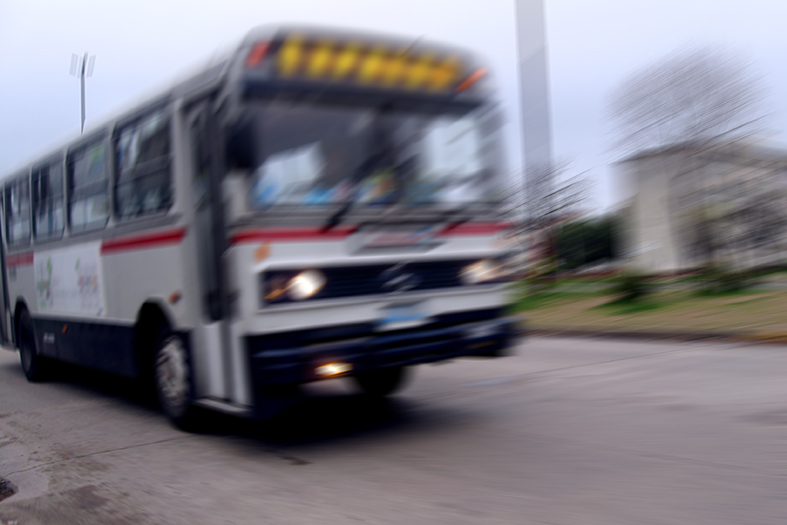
690,207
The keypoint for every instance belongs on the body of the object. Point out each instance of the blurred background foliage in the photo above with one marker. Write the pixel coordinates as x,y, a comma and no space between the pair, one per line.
587,242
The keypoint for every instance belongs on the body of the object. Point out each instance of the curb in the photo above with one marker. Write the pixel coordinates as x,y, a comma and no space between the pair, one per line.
775,338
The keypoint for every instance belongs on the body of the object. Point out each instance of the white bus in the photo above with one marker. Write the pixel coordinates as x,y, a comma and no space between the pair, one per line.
318,204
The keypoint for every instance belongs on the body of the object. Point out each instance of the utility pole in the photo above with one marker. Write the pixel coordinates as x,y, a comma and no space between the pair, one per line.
537,184
539,169
82,67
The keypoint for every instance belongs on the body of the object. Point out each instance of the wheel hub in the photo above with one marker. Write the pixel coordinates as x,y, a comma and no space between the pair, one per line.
172,373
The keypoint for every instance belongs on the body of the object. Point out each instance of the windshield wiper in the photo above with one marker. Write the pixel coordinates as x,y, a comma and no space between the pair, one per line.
455,217
366,169
336,218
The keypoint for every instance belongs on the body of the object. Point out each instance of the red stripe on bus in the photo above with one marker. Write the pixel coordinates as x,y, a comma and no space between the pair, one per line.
142,242
23,259
289,234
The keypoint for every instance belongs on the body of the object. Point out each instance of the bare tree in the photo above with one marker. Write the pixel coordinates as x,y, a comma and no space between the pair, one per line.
536,217
691,108
699,96
530,212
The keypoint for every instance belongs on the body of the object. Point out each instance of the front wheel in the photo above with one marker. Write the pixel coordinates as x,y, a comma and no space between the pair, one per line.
382,382
33,364
174,381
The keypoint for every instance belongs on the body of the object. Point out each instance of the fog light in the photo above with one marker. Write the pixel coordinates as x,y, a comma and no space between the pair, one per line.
333,369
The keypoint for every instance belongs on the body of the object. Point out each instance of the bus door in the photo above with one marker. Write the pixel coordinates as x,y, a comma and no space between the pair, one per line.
208,226
5,307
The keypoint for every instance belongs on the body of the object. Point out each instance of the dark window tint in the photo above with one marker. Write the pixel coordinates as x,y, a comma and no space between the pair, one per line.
142,160
88,206
48,219
17,208
203,219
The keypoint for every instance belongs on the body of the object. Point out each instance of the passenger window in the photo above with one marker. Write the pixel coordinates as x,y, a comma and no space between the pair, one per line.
47,182
88,208
142,160
17,208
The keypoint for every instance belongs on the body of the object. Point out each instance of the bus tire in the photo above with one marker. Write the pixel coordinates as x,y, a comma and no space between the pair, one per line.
382,382
173,379
34,366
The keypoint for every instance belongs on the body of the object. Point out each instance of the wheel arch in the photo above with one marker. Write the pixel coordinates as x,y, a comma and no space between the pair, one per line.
19,306
151,316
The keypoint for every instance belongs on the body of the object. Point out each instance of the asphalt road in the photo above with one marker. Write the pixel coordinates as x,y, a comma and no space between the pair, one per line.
568,431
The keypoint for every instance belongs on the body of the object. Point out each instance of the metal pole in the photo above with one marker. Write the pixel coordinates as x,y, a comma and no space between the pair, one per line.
536,120
82,76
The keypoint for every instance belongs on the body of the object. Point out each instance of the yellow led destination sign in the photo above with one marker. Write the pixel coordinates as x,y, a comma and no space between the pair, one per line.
365,64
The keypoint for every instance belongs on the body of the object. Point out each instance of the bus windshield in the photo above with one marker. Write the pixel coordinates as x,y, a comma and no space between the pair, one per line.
317,155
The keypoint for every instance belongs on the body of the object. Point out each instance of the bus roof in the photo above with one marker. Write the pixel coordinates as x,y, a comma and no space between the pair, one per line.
448,68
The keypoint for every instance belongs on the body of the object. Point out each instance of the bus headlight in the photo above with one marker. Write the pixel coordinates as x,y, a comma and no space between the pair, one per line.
481,271
305,284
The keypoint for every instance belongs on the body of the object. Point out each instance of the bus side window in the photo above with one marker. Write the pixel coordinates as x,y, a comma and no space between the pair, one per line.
48,201
88,206
142,163
17,206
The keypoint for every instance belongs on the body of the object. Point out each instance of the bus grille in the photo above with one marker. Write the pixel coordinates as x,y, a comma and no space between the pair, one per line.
349,281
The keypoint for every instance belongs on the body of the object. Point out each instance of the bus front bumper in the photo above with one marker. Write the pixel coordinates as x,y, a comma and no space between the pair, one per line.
273,365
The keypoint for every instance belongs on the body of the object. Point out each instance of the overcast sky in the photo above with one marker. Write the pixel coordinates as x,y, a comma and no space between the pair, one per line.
144,44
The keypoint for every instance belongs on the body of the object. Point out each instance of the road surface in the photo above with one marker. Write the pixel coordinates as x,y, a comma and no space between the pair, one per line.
567,432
